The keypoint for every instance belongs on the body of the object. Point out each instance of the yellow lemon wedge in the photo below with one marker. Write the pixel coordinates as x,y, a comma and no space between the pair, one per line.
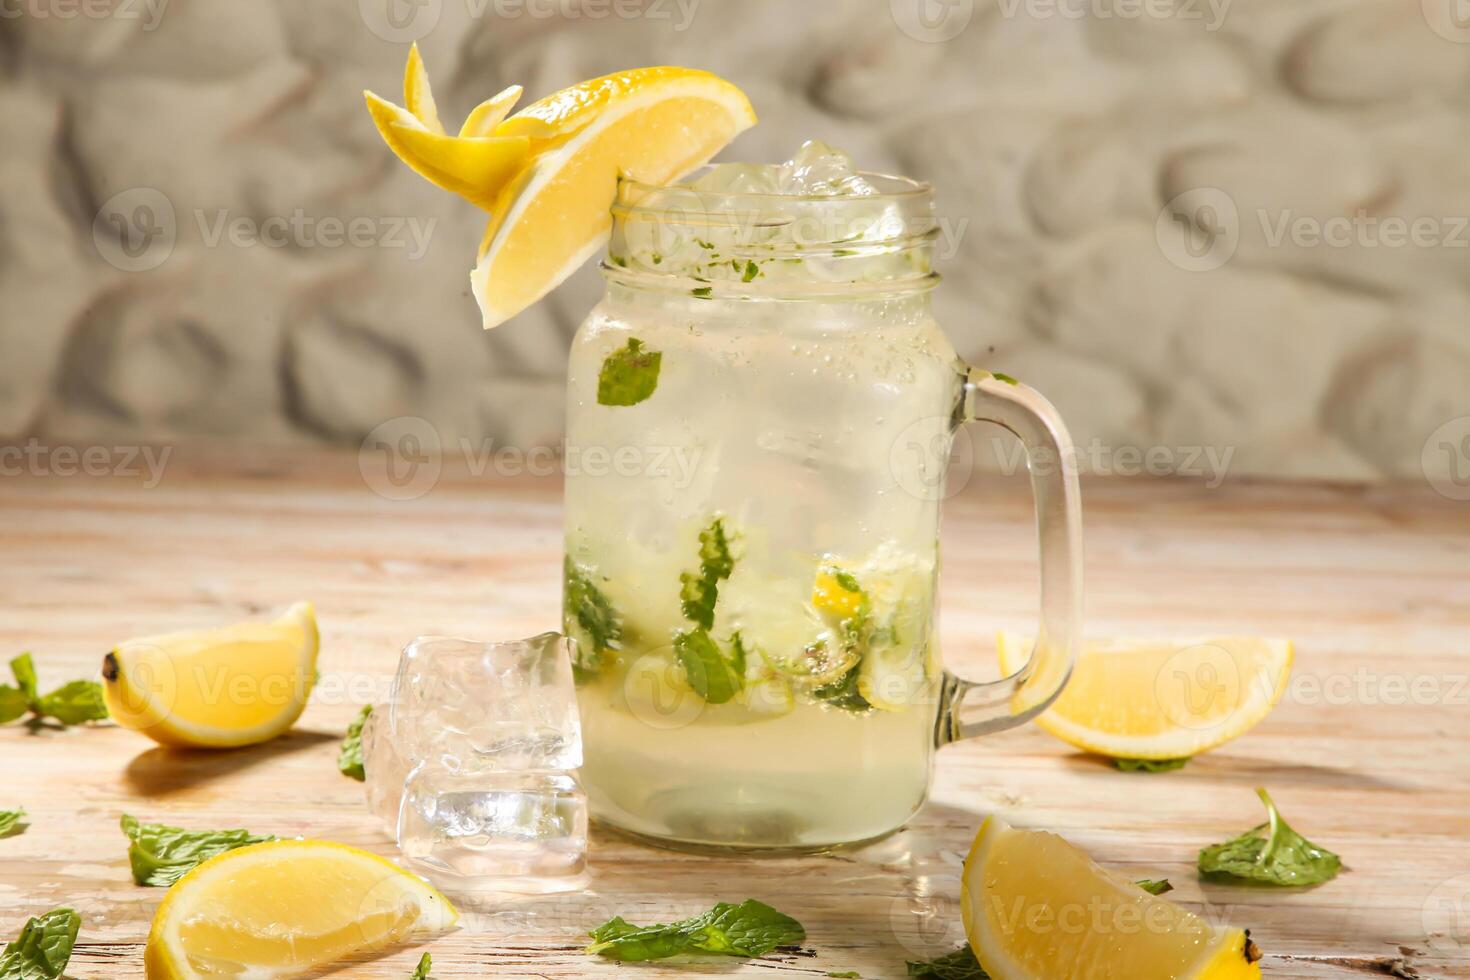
1162,699
1036,906
287,908
652,124
219,688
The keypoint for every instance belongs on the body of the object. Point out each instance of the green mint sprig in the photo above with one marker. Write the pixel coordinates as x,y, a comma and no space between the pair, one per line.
699,592
43,948
749,929
629,375
588,614
714,675
160,855
70,704
421,972
11,821
1151,765
349,759
1271,853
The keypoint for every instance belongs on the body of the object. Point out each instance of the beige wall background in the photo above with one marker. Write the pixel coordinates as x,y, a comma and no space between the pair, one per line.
1131,190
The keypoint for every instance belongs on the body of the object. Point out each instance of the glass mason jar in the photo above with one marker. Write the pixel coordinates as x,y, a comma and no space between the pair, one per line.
760,414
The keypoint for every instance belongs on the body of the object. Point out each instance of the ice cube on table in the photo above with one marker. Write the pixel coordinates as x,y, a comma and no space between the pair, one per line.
523,832
469,766
472,706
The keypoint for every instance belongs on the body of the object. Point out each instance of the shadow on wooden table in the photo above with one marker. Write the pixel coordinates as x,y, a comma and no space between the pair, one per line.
1245,769
164,771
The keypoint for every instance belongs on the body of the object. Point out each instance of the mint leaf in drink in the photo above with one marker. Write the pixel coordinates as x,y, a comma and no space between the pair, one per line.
11,821
843,693
1271,853
1006,378
421,972
1155,886
749,929
751,271
589,617
959,965
43,948
160,855
1150,765
349,759
629,375
74,703
713,674
70,704
698,593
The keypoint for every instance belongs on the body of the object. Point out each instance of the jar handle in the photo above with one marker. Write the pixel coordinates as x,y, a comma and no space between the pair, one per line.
970,708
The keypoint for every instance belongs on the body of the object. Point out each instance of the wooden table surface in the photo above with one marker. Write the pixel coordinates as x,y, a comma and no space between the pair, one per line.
1369,753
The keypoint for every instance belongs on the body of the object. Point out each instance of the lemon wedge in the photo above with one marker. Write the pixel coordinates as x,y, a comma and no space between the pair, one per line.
287,908
652,124
1162,699
1036,906
219,688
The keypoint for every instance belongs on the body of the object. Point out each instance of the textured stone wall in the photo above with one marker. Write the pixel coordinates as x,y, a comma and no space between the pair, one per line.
202,237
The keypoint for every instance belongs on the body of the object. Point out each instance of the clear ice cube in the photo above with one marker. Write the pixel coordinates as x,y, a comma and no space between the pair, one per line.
524,831
469,765
468,706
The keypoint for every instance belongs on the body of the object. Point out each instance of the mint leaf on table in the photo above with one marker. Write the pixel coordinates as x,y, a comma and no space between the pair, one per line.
349,759
959,965
587,611
698,593
713,674
421,972
1271,853
160,855
10,821
74,703
70,704
1150,765
749,929
629,375
1155,886
13,703
43,948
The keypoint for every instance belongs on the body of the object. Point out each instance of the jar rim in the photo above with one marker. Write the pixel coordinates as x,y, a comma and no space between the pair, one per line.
893,188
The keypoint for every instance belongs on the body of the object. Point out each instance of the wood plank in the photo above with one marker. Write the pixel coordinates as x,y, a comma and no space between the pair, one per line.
1366,754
